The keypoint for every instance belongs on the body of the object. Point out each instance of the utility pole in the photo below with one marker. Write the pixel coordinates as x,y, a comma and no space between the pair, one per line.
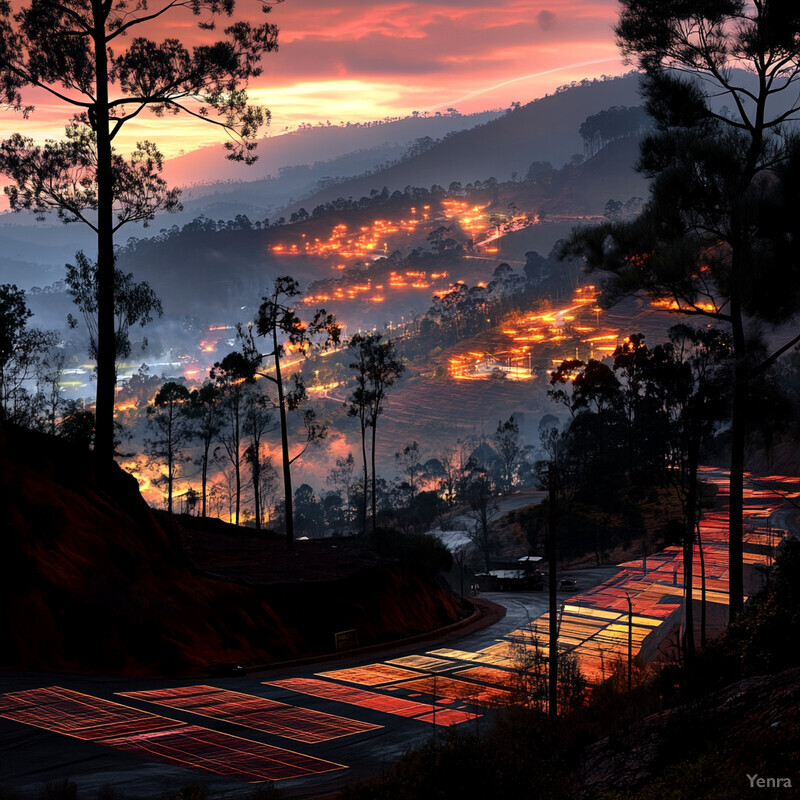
630,642
551,560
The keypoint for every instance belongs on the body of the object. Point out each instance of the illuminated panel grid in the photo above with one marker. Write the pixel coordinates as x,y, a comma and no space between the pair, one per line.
781,479
491,675
498,655
259,713
357,697
428,663
200,748
587,611
78,715
596,637
448,716
460,690
756,558
371,674
458,655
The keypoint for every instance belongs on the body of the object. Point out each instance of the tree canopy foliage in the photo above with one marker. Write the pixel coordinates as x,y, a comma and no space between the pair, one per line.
716,238
376,367
90,56
281,326
135,303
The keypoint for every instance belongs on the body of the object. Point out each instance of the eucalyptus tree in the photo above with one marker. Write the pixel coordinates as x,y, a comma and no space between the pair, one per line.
231,377
49,379
345,489
92,57
377,367
135,303
483,511
170,431
284,330
257,422
718,236
509,447
205,417
678,391
22,351
694,369
358,405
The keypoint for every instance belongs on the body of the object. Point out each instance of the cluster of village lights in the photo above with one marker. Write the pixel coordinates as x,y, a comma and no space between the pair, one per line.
576,326
363,242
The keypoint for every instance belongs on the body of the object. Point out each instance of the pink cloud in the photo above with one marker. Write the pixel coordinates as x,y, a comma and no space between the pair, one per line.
417,53
417,40
546,19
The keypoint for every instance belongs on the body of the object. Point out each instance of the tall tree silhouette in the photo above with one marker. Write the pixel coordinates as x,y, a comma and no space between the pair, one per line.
377,367
205,418
22,351
717,238
255,425
231,377
134,304
75,51
170,431
283,329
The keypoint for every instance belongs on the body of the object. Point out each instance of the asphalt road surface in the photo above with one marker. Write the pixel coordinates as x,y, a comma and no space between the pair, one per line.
30,757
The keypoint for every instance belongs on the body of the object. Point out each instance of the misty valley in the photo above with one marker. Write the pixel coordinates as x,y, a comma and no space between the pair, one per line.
448,454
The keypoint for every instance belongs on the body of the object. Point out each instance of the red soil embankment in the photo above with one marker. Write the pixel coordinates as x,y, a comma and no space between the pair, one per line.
92,580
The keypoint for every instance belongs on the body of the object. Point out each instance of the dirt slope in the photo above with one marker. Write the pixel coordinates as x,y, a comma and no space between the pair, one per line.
92,580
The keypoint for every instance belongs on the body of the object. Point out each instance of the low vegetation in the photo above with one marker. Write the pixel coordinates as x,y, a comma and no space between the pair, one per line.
678,734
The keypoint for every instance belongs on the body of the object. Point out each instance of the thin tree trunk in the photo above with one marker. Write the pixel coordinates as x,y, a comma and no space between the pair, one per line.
552,705
238,473
366,476
170,462
374,481
741,389
702,585
688,554
287,468
256,496
205,479
106,337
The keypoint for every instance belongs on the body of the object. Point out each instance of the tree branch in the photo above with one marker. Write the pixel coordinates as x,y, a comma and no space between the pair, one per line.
768,362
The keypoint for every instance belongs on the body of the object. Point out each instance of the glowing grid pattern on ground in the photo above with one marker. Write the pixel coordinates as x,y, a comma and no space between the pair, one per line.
428,663
371,674
655,588
447,716
78,715
259,713
499,655
495,677
113,725
454,689
596,630
458,655
366,699
199,748
597,642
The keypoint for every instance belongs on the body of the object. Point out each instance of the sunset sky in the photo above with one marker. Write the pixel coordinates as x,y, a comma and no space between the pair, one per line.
357,61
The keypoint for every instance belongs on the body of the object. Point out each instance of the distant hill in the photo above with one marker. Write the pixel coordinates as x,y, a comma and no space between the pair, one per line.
202,272
290,165
585,189
543,130
468,148
195,269
311,144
